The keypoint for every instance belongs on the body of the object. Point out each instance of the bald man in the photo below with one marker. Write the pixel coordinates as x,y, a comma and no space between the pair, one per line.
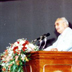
64,41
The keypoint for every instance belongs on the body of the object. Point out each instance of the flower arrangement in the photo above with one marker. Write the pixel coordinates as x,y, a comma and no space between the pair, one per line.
14,57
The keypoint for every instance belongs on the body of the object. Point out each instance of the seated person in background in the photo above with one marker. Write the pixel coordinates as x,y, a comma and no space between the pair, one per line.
64,41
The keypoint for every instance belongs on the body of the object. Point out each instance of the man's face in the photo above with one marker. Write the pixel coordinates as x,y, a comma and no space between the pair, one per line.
60,26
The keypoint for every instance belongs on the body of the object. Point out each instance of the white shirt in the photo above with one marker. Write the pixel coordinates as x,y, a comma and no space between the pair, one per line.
64,41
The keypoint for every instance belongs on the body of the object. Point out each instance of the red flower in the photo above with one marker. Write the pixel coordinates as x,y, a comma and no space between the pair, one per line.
15,49
17,42
6,50
14,52
25,43
3,69
24,48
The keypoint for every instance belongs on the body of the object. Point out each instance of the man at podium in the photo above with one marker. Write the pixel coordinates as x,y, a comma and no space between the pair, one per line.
64,41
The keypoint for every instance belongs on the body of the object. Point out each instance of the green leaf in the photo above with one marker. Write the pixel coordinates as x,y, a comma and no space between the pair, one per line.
20,69
14,68
29,58
29,55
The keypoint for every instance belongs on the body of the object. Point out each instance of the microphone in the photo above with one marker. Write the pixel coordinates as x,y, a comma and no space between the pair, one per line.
42,37
43,41
48,34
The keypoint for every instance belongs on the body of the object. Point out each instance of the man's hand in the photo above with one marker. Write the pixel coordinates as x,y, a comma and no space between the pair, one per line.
54,49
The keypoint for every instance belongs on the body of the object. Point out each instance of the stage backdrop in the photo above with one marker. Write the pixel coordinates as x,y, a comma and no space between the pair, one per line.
30,19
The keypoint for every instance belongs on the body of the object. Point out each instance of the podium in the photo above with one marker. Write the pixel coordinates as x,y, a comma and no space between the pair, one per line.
49,61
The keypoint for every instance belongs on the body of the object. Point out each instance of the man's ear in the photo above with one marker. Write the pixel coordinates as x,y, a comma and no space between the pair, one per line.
65,25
